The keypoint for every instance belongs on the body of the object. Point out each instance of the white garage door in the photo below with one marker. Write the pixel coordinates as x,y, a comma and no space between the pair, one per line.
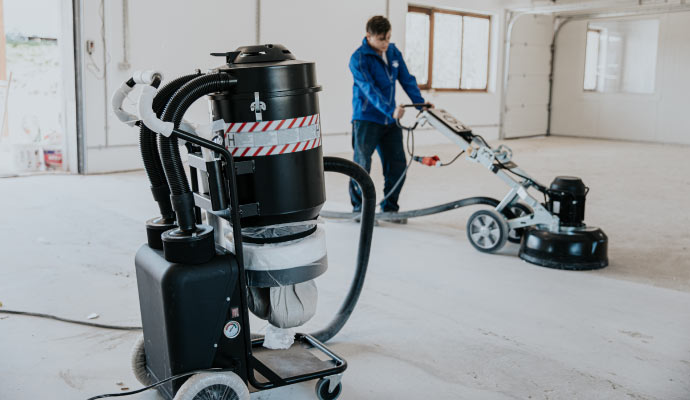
527,94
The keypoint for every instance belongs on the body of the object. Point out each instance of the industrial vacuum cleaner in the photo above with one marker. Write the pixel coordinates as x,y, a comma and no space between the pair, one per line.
245,236
550,233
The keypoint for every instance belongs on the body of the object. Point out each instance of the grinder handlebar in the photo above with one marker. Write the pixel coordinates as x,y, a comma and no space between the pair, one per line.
423,105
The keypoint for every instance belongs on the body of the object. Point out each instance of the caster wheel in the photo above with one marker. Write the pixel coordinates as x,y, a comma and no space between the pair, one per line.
516,210
322,387
213,386
487,231
139,363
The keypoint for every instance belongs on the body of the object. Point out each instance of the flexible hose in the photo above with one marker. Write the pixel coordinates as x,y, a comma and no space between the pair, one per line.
359,175
421,212
183,202
149,148
173,112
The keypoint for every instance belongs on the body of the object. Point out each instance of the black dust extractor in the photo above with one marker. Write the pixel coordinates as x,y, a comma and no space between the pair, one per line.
257,183
573,245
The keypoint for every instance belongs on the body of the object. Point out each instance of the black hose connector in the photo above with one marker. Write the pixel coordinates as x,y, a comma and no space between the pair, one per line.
149,147
173,112
182,203
359,175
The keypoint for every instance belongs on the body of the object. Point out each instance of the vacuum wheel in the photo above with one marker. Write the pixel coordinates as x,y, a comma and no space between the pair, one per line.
322,390
517,210
139,363
213,386
487,230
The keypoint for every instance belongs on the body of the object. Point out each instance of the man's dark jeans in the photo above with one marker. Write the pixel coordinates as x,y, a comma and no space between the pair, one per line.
387,140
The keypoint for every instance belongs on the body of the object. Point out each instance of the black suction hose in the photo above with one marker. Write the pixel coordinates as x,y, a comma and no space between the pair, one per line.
149,149
359,175
468,201
181,196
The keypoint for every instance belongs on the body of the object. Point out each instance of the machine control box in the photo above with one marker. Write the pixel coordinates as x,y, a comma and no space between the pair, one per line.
451,122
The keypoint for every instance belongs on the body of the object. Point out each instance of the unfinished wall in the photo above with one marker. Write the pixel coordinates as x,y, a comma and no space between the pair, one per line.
658,117
479,110
180,37
173,36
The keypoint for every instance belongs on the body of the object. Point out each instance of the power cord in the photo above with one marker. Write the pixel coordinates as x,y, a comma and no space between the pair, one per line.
71,321
166,380
410,151
453,160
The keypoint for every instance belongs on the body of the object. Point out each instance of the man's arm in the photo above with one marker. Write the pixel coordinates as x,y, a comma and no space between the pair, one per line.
365,82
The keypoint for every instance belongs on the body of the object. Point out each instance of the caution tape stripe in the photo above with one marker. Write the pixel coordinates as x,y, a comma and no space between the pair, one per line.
291,129
265,126
276,149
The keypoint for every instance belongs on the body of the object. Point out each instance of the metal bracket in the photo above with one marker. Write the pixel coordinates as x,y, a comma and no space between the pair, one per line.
258,106
244,167
249,210
333,381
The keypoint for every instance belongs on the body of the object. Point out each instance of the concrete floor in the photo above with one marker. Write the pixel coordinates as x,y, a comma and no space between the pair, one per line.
436,319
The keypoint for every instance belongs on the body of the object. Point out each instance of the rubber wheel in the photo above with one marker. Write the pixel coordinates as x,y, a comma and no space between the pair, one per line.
139,363
322,392
213,386
487,230
514,211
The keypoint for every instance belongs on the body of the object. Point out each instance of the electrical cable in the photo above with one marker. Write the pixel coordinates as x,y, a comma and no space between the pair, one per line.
166,380
71,321
410,134
453,160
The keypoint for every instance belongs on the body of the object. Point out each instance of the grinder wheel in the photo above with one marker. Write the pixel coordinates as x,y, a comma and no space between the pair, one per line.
487,230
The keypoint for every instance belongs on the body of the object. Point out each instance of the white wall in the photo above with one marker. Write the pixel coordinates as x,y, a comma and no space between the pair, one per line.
326,32
180,37
476,109
659,117
173,36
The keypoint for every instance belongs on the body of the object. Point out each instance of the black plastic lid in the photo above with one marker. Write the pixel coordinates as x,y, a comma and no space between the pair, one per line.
570,184
257,54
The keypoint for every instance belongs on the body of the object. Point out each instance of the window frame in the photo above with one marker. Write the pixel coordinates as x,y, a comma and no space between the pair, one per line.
430,11
596,81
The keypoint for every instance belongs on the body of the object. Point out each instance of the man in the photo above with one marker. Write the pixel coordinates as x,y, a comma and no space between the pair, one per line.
375,66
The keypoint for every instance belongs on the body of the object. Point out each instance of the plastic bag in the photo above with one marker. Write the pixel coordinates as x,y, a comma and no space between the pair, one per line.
284,306
278,338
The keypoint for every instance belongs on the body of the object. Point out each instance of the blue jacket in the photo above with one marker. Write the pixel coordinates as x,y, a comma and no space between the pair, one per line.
373,93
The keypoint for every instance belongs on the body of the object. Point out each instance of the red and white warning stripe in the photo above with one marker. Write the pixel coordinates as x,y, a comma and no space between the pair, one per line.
264,126
265,138
275,149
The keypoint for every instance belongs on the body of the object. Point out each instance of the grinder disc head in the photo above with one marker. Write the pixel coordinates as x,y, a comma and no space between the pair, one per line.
576,249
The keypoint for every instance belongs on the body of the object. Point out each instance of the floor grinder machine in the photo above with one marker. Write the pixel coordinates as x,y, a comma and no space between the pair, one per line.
551,233
257,184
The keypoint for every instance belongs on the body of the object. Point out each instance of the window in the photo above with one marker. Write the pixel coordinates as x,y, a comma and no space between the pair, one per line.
447,50
620,56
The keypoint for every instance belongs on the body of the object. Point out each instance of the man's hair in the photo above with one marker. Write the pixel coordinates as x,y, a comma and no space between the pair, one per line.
378,25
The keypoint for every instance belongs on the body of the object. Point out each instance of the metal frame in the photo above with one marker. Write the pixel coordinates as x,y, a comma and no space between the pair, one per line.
77,16
233,212
479,152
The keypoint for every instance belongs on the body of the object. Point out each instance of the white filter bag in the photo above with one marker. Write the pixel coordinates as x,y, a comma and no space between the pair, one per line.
284,306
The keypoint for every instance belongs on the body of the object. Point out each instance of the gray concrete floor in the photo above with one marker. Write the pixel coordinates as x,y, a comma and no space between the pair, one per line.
436,319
